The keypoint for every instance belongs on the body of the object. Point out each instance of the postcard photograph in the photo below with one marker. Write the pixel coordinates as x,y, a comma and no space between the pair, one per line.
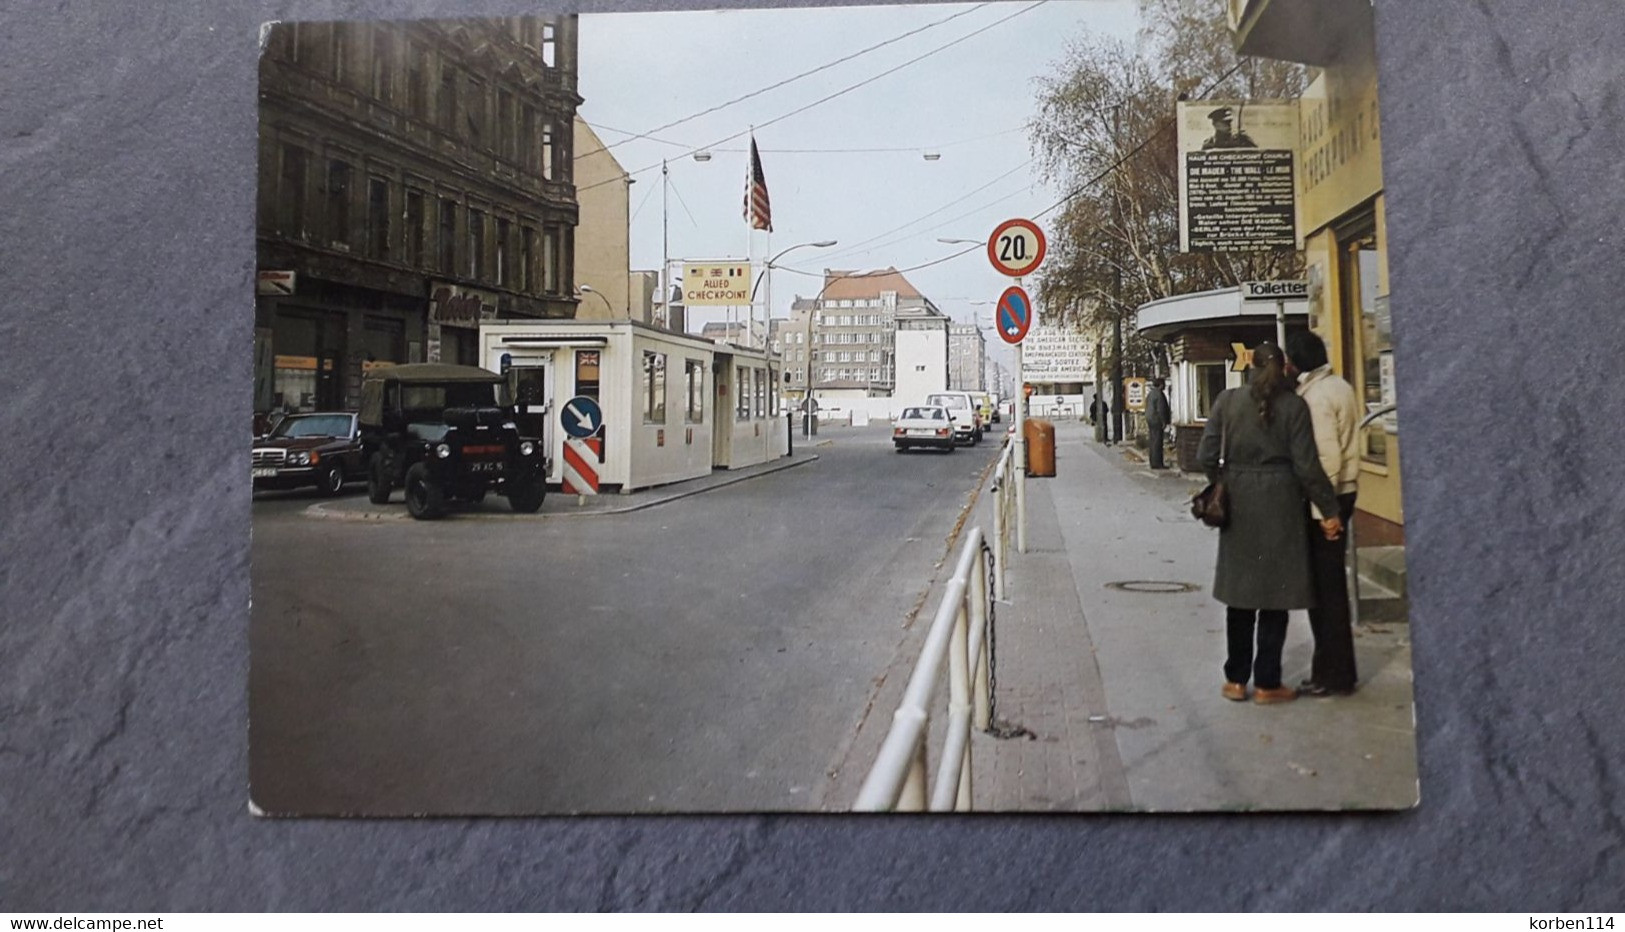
967,407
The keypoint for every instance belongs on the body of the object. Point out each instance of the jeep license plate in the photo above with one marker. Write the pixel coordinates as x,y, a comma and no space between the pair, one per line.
264,472
484,467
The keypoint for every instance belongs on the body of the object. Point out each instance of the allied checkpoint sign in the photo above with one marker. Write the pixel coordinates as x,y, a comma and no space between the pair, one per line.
1236,187
718,283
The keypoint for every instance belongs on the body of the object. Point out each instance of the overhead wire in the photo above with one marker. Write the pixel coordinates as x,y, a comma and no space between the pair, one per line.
790,80
840,93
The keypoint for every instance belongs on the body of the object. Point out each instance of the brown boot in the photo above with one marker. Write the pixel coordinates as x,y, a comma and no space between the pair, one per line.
1271,696
1235,692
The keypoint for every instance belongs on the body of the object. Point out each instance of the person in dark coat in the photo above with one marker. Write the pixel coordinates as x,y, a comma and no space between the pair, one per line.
1097,417
1263,569
1157,417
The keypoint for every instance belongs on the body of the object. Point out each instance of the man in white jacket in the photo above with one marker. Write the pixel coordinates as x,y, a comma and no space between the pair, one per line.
1335,413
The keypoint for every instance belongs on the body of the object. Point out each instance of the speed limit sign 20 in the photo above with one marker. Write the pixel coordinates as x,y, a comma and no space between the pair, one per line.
1016,247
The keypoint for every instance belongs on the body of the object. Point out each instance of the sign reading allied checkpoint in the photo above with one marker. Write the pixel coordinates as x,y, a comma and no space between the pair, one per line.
724,283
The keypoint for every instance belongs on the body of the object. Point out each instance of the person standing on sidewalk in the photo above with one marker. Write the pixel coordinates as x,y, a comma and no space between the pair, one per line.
1098,416
1335,412
1157,416
1270,468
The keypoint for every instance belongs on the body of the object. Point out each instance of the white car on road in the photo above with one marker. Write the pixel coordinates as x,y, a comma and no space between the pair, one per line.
923,426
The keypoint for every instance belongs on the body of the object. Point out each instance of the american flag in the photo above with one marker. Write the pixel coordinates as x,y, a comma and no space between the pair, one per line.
758,211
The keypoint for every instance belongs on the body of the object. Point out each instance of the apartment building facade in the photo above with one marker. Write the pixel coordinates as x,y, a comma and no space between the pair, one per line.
845,337
415,179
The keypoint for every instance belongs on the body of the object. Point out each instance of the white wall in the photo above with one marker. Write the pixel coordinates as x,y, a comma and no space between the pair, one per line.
922,363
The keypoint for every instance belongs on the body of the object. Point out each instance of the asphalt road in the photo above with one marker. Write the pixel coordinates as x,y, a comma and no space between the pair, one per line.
715,653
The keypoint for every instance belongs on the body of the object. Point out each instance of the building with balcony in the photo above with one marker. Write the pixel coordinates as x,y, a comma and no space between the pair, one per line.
415,179
967,358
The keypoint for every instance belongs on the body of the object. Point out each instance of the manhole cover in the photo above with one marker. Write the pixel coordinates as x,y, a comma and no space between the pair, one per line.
1154,586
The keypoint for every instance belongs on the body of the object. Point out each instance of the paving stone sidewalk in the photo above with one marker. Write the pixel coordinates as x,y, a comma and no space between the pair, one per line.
1110,653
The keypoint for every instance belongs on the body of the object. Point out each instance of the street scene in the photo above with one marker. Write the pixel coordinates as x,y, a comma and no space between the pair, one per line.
981,406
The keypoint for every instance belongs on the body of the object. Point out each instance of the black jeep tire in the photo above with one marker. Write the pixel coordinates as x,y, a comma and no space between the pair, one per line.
378,484
526,498
331,481
425,499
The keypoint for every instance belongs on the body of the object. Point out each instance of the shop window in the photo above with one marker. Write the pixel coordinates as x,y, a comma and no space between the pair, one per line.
741,394
654,387
338,202
1368,356
587,372
1210,379
446,242
378,217
695,371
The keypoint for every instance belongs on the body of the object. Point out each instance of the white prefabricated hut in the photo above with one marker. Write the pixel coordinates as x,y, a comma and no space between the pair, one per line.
674,406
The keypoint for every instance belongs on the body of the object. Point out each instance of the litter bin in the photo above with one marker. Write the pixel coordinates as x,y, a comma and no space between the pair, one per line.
1040,437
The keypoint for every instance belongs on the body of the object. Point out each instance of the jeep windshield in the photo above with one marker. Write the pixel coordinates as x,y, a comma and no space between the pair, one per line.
427,402
313,425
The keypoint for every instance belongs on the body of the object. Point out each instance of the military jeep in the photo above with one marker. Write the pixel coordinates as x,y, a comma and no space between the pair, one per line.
446,434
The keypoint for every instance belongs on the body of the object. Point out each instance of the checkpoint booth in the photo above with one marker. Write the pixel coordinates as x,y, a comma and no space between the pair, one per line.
636,406
1203,332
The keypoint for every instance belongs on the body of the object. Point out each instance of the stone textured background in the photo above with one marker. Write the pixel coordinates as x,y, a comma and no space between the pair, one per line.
126,258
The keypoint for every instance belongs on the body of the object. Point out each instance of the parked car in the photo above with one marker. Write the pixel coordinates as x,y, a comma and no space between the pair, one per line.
962,410
322,449
923,426
446,433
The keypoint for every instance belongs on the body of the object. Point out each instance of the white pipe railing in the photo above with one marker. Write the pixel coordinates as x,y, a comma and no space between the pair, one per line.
1004,500
897,781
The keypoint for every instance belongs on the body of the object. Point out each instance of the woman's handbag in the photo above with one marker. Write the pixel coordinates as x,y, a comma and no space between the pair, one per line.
1211,506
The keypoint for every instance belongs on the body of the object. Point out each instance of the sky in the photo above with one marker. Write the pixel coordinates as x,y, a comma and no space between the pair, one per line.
969,103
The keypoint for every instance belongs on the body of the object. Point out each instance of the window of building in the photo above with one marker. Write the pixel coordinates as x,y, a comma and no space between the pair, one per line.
383,66
526,155
503,232
549,36
417,83
773,392
547,151
474,109
550,260
742,394
338,52
504,136
527,258
1209,383
694,369
476,243
414,228
587,372
654,387
447,240
447,102
293,191
378,217
530,31
1373,370
338,201
759,379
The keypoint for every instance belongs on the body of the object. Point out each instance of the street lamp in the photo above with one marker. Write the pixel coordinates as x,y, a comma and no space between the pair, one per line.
588,289
767,272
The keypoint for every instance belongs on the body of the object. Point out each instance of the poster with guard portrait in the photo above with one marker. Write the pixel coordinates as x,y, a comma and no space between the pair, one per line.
1236,186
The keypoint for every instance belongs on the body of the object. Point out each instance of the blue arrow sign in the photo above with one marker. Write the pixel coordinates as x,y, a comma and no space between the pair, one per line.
581,417
1015,315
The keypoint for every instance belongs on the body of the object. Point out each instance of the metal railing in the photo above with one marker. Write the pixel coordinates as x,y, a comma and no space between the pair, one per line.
1004,504
897,781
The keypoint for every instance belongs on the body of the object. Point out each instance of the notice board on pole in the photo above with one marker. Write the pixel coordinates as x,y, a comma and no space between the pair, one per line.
1237,192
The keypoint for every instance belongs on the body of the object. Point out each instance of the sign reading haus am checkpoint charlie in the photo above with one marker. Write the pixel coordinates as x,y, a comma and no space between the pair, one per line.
1236,188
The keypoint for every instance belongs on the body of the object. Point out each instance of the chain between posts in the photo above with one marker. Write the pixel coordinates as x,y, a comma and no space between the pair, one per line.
995,727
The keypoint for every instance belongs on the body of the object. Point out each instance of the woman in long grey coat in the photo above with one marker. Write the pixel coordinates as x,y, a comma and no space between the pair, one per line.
1271,469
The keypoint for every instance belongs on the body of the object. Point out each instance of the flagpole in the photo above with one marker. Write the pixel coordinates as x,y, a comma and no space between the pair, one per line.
750,228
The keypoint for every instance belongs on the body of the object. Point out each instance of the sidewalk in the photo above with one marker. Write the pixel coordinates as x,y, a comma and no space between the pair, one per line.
561,505
1110,653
